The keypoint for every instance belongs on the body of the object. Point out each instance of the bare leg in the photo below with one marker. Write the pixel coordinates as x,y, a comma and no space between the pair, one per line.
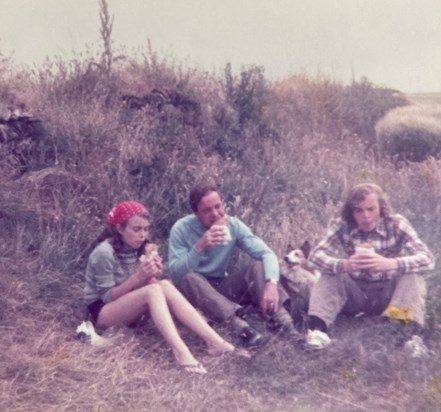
191,318
149,299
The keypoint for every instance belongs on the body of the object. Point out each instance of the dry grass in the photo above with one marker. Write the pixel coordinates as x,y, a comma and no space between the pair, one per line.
420,116
283,170
45,368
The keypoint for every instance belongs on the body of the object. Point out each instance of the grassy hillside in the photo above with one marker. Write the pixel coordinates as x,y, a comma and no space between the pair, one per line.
282,153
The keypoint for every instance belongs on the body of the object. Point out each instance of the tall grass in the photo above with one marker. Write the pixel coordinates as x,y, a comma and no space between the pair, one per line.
283,155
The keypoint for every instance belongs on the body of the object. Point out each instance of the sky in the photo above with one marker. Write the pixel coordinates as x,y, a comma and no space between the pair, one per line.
393,43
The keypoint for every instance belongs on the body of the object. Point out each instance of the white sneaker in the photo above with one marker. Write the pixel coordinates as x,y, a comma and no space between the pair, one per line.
86,333
416,347
317,339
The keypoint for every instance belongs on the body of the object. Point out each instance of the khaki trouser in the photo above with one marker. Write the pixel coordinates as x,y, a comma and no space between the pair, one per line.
334,294
220,298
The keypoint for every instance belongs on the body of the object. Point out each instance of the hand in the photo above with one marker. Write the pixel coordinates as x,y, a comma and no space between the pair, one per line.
148,271
270,298
214,236
372,262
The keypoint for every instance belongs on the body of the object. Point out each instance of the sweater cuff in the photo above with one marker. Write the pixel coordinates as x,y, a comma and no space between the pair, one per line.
107,297
339,266
401,266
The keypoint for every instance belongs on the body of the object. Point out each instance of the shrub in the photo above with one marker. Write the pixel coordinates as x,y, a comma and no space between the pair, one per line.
411,133
362,105
246,95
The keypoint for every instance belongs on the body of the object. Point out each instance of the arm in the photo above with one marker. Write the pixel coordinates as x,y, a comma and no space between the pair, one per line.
123,288
415,256
183,258
410,254
102,263
327,256
372,262
258,249
192,247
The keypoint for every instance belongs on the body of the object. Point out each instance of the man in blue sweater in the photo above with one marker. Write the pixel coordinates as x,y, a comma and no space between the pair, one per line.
200,250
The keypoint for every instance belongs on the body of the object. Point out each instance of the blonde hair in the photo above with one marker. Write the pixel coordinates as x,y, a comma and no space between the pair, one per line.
357,194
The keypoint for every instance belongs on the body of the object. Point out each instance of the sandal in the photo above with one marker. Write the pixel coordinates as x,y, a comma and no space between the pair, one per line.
194,368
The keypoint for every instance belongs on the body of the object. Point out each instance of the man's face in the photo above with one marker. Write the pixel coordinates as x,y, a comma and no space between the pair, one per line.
210,209
367,213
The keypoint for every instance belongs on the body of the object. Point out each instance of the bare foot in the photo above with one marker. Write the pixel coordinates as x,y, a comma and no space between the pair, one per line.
219,347
224,348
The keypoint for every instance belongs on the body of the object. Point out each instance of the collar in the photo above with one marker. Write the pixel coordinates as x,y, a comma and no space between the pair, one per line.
127,249
196,222
380,229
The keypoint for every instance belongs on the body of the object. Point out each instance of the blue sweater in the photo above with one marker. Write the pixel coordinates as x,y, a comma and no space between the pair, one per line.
213,262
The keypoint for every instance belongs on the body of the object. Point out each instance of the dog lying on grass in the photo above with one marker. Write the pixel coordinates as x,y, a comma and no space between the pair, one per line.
298,279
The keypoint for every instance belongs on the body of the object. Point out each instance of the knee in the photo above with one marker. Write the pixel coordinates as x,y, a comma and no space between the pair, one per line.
166,283
257,268
254,272
167,286
191,279
152,291
411,283
413,279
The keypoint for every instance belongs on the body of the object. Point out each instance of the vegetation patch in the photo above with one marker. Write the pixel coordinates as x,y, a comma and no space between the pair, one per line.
283,154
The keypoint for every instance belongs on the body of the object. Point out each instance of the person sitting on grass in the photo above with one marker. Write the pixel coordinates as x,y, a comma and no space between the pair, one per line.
372,262
120,289
201,245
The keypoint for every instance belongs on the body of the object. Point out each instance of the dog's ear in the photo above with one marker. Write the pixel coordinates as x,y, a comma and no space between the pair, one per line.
306,248
289,248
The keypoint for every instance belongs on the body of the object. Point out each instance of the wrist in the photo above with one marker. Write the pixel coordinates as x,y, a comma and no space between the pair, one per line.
344,265
136,280
395,264
272,281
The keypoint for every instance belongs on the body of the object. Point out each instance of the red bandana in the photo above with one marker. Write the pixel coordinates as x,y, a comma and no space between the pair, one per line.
124,211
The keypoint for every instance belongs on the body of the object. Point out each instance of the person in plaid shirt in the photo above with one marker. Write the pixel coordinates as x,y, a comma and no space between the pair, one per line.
372,262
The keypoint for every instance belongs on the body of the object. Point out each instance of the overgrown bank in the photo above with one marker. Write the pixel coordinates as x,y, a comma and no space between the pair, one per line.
283,155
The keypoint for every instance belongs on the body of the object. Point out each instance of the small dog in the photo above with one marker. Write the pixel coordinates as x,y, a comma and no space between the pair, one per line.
298,278
297,268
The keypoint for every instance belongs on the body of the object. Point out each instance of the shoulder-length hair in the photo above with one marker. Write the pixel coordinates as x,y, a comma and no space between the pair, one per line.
357,194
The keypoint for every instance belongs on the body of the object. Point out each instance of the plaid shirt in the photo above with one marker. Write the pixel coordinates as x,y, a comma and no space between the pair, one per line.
394,237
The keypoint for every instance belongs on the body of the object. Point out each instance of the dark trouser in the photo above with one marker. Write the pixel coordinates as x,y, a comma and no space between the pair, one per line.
220,298
94,310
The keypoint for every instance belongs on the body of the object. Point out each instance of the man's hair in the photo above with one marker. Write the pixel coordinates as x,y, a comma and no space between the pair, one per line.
357,194
198,192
